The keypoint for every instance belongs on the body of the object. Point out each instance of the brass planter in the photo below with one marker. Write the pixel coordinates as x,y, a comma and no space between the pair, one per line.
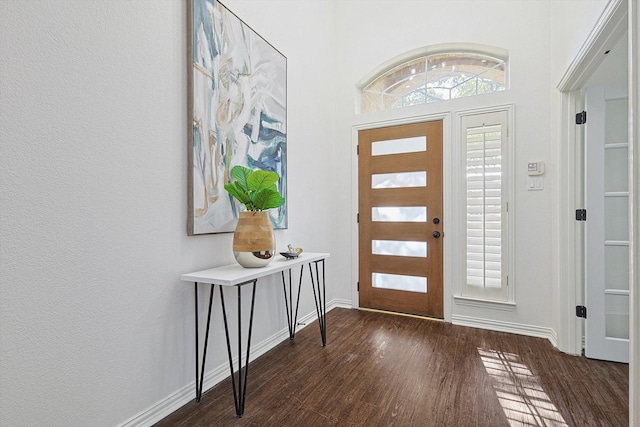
254,243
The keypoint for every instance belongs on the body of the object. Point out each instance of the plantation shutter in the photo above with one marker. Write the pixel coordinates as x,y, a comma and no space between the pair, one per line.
486,189
484,206
485,195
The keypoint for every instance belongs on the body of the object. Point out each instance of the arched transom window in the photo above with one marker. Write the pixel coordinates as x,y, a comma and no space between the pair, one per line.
434,77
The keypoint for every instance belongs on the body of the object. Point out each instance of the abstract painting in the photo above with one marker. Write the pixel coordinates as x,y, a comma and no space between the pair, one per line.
237,111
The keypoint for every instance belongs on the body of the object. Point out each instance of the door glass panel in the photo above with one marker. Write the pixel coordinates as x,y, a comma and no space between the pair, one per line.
399,214
399,282
616,267
616,121
399,248
616,217
398,146
399,180
616,308
616,166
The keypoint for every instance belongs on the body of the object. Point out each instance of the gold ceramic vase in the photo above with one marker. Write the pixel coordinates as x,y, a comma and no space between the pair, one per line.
254,243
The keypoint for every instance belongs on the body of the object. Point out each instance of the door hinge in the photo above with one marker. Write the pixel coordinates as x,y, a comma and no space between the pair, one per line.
358,218
358,286
581,311
581,214
581,118
357,150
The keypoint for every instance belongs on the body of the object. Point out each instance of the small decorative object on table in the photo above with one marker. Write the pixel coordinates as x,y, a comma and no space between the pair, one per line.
292,252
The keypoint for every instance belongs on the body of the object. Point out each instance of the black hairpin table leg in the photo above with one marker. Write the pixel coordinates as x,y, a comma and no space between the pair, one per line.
319,295
239,386
292,316
200,372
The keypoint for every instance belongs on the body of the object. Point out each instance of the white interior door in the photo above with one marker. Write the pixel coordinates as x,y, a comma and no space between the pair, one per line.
607,226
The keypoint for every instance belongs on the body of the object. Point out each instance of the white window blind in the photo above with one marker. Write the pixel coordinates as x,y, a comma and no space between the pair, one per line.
486,220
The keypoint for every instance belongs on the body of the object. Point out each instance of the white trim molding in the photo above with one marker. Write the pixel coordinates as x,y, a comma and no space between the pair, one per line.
484,303
510,327
610,27
634,211
340,303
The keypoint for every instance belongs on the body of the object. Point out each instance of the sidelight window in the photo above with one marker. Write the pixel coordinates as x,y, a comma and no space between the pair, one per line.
486,193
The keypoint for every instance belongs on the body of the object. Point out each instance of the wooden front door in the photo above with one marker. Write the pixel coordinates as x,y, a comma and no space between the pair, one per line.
400,218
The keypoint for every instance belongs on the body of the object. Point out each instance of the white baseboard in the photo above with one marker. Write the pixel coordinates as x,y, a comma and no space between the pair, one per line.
513,328
340,303
186,394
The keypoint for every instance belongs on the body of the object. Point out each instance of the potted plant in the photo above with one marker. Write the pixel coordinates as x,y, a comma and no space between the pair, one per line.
254,243
255,189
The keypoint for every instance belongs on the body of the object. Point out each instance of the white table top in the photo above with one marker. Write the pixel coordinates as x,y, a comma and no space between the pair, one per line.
235,274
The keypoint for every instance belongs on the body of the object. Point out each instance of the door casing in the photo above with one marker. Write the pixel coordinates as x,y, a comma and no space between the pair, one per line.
610,27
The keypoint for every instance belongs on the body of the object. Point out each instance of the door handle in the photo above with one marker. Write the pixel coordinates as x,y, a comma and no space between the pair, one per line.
436,220
436,234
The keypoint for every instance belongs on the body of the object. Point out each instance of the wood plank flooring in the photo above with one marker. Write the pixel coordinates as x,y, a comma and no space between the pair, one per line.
384,370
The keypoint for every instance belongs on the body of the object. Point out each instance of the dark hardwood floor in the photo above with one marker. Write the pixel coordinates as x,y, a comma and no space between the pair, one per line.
384,370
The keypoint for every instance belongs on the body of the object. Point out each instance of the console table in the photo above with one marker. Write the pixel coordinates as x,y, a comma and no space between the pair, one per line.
237,276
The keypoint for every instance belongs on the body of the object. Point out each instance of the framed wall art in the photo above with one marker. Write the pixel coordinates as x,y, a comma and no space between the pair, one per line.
237,101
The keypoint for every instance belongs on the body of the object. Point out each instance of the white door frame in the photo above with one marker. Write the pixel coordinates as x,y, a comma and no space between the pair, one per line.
618,16
634,203
607,31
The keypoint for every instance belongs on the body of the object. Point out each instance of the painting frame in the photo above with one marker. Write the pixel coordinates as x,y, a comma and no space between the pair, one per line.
237,114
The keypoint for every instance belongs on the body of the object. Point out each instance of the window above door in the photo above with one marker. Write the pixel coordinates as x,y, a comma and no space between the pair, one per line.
434,74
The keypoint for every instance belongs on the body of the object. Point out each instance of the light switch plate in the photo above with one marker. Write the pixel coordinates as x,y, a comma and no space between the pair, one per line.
535,183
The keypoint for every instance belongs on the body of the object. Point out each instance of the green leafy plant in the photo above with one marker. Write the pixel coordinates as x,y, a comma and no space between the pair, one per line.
256,189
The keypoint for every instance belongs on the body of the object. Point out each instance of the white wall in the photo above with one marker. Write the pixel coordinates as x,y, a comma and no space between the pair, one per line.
96,326
572,22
